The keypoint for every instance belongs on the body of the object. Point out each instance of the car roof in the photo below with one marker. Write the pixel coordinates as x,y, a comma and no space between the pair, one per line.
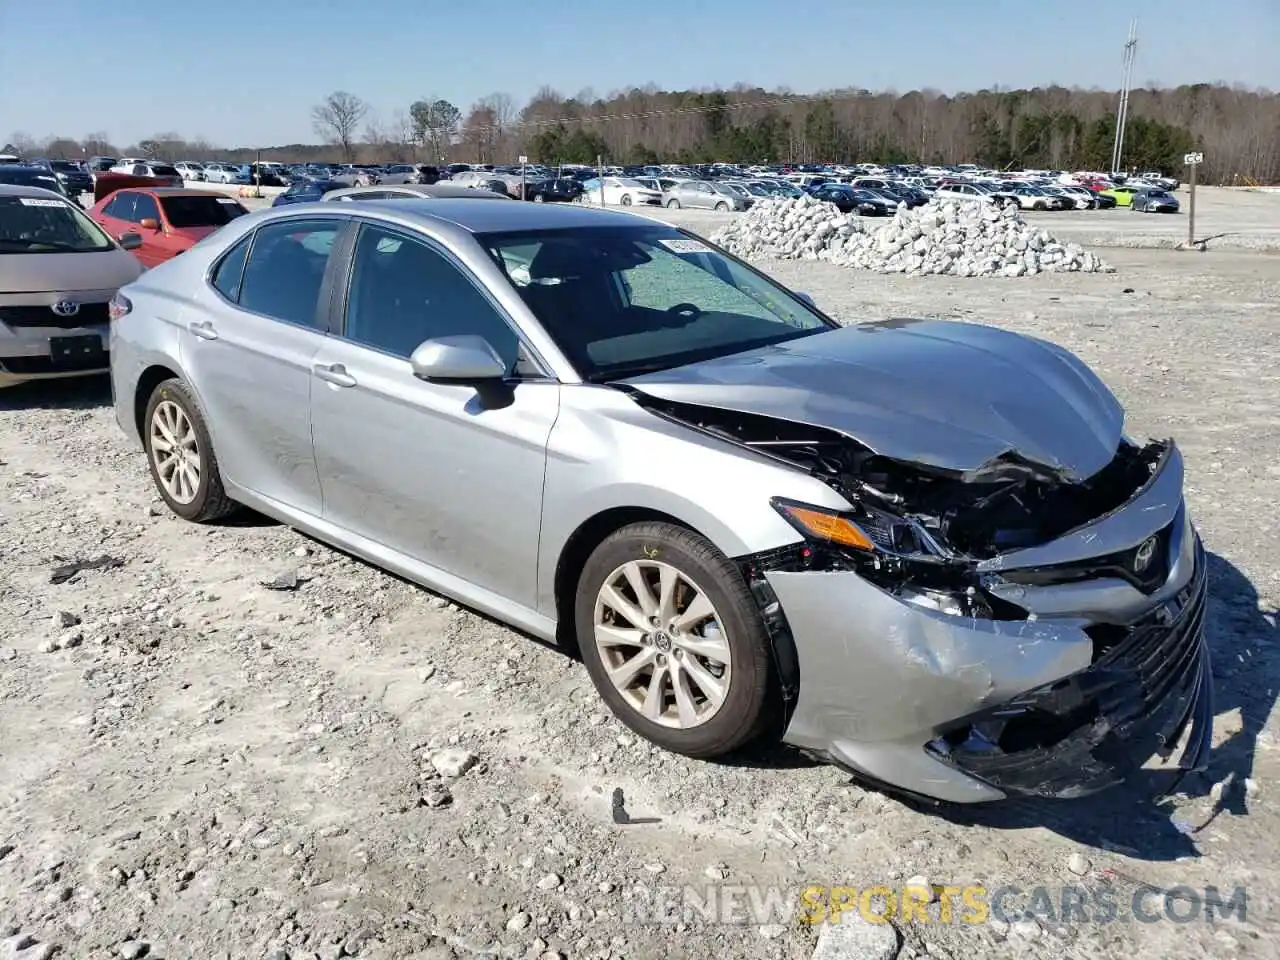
474,217
434,190
23,190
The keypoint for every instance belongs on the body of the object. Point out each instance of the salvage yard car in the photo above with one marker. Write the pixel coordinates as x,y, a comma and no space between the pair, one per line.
923,550
58,271
169,221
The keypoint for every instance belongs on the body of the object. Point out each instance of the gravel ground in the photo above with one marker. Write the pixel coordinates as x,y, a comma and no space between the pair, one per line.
195,765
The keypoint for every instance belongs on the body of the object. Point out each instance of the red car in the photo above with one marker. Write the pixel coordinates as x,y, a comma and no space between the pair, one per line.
169,219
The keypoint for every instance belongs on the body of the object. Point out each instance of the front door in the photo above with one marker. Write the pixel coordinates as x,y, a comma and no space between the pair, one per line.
450,475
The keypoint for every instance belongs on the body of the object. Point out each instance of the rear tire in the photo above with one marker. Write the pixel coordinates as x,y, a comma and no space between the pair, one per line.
689,712
173,419
539,198
673,204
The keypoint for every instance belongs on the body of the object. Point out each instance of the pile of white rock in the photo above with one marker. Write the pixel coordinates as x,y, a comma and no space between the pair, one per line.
957,238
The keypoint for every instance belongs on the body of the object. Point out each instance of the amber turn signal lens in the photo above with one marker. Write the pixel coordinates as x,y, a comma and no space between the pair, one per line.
827,526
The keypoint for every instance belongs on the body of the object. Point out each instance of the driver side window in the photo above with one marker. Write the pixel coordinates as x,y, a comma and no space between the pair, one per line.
404,291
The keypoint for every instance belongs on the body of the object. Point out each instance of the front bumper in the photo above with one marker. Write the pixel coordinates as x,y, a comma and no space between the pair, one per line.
1098,678
35,344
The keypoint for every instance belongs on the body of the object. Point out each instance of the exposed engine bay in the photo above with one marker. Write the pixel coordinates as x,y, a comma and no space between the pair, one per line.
931,527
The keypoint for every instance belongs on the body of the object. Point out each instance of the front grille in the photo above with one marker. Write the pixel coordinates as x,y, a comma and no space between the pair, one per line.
1123,565
89,314
1088,731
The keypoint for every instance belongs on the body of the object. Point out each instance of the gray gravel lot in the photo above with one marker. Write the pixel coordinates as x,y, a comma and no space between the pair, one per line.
195,763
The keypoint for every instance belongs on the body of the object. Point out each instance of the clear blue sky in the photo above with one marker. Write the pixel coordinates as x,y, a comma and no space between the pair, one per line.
250,75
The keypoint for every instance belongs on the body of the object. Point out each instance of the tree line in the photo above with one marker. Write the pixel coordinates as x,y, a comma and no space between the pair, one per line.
1047,127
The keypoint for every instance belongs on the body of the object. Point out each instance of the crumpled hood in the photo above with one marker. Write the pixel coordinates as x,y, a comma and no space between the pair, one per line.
946,394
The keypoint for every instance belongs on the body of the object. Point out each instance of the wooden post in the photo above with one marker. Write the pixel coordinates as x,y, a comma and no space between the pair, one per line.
1191,217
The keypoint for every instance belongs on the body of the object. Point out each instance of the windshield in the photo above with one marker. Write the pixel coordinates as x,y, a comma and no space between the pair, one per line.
620,301
200,211
40,225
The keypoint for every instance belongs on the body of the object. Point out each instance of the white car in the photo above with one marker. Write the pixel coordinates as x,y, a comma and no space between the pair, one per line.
622,191
165,173
190,170
469,178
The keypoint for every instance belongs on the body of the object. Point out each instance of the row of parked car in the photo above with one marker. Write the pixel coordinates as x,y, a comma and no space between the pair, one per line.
727,189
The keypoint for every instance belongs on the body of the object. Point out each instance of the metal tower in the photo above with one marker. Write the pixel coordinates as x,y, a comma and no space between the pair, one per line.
1122,114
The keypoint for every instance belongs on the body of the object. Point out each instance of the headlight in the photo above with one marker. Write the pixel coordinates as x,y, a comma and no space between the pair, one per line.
865,528
895,553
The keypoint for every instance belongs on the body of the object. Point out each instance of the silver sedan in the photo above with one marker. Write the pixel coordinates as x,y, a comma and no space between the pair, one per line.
924,550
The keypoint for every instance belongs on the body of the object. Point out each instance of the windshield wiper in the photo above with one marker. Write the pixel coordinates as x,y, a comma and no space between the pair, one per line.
630,370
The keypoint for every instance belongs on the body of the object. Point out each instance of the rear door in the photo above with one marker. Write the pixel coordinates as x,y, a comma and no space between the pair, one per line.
248,350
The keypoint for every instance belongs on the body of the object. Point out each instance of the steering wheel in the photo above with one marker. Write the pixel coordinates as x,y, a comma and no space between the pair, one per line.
686,311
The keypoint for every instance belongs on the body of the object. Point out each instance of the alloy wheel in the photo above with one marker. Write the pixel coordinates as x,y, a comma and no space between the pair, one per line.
175,452
662,644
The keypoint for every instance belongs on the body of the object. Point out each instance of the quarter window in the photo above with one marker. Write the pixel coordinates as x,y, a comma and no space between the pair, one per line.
404,291
285,270
229,272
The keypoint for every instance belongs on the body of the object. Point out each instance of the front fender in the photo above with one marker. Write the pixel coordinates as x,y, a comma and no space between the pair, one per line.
606,453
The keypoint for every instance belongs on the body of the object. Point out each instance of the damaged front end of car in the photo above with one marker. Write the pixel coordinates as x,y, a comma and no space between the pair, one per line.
970,635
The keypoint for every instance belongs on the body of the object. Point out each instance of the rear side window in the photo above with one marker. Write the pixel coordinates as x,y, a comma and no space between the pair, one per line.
285,270
230,270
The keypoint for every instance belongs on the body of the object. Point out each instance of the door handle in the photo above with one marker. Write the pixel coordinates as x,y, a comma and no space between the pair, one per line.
334,373
204,330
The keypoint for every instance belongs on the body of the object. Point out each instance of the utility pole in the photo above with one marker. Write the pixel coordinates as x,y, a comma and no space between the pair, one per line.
1192,160
1122,113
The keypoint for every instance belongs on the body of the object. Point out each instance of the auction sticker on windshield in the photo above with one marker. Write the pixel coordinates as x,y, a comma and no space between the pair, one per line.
38,202
686,246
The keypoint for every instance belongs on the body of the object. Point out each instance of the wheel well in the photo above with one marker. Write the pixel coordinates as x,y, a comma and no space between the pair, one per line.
579,547
151,378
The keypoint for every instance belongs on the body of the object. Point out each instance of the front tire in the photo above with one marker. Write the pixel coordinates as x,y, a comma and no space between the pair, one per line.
180,455
722,207
539,198
673,640
626,200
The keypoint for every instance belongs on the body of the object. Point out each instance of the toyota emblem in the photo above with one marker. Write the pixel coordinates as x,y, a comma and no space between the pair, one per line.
1143,556
66,308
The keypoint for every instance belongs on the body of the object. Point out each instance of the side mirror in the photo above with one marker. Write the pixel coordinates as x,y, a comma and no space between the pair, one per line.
130,241
465,358
149,223
807,298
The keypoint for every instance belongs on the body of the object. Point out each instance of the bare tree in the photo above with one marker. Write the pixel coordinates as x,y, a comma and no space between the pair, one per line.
338,118
24,143
97,144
